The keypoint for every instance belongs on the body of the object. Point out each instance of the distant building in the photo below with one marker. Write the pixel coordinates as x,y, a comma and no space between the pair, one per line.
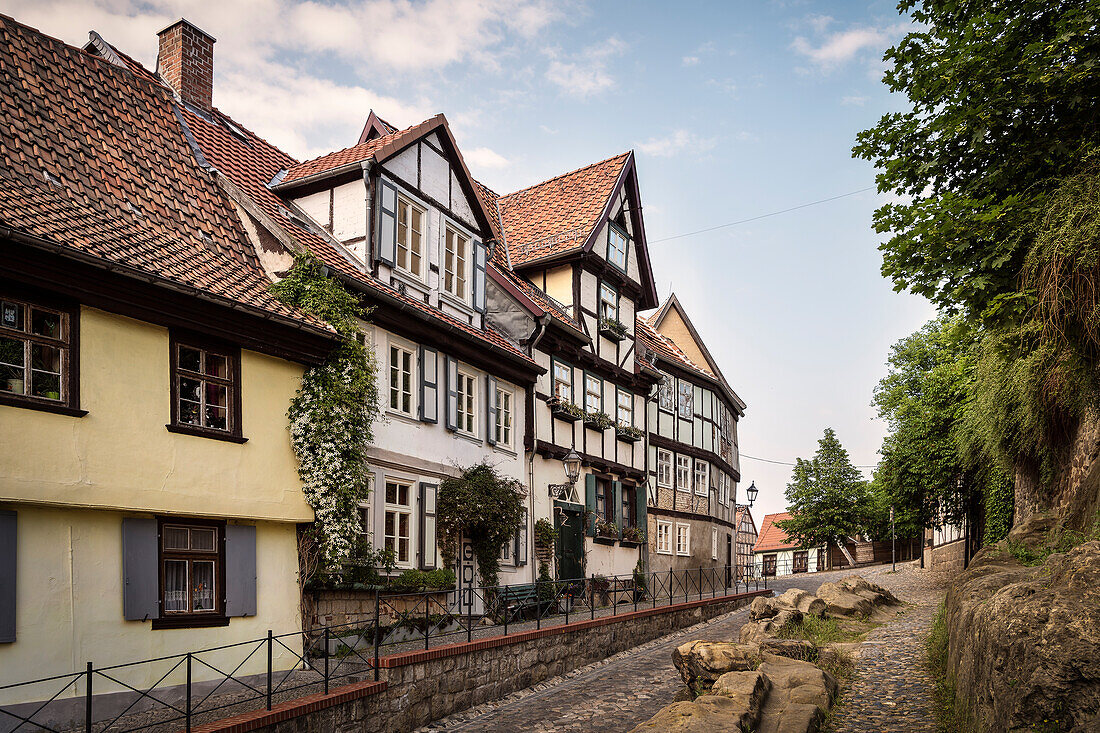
775,553
746,540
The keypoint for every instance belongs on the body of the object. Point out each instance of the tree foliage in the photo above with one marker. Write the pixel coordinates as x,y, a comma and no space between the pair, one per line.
486,508
332,413
1005,104
827,496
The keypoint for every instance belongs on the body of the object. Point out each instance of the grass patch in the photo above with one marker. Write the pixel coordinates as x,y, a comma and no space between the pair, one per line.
951,716
820,631
1057,540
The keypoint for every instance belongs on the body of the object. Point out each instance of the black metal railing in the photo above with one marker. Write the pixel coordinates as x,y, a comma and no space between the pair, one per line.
204,685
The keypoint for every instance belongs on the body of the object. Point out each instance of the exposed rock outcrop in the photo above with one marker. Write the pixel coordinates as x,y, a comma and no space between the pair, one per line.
854,596
701,663
1025,641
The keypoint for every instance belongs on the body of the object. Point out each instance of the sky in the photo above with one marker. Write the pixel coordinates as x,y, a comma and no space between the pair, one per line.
734,109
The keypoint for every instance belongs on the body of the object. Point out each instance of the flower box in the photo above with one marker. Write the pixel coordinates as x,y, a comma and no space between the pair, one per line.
628,433
607,533
566,411
613,329
598,421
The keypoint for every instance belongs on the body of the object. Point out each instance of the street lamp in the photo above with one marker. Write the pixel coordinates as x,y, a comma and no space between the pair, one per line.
752,492
572,462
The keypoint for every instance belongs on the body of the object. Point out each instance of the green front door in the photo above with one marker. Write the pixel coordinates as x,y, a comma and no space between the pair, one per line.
569,521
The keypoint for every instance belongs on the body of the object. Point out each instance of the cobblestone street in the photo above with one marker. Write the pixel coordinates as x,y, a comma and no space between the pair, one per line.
618,693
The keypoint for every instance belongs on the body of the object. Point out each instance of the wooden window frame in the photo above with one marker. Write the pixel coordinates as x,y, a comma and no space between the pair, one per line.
689,403
700,491
613,227
800,561
608,495
619,393
468,392
613,304
670,381
589,376
465,259
191,619
233,359
413,386
500,427
628,500
69,344
713,543
665,525
554,364
398,509
671,480
397,223
687,539
684,486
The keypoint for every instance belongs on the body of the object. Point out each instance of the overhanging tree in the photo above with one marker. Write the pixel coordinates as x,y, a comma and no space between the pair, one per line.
827,496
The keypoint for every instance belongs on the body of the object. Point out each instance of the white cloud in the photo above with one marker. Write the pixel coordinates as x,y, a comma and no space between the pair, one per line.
837,49
675,143
690,61
853,101
588,75
485,158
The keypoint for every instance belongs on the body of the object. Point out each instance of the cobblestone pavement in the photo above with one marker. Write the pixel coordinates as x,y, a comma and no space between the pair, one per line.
615,694
892,691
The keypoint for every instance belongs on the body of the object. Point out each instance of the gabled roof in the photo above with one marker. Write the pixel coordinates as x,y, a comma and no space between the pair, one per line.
742,512
375,126
93,161
378,148
557,216
666,349
771,537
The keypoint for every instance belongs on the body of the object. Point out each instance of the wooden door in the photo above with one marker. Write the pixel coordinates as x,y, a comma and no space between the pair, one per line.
570,544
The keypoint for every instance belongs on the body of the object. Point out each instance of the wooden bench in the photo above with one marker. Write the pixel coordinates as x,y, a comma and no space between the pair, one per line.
518,599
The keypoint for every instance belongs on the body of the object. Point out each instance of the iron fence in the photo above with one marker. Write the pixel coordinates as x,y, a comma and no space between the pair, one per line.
204,685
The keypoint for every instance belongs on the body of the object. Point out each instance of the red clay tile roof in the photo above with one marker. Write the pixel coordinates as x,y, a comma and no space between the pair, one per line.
666,349
94,160
556,216
356,153
771,536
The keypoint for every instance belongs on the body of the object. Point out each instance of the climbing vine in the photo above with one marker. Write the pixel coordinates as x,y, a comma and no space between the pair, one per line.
332,413
484,507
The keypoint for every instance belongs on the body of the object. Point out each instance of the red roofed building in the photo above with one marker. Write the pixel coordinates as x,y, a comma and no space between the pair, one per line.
775,554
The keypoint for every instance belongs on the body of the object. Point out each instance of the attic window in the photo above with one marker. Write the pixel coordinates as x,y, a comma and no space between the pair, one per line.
617,242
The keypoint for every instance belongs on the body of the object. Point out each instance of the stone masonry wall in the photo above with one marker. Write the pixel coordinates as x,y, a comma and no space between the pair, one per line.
427,685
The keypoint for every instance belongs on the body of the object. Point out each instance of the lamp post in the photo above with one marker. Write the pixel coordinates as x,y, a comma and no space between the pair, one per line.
893,544
750,494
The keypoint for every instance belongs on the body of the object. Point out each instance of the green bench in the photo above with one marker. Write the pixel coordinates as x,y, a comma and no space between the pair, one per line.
517,600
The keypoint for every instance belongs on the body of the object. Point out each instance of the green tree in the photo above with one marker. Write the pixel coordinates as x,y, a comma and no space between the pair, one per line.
827,496
1005,104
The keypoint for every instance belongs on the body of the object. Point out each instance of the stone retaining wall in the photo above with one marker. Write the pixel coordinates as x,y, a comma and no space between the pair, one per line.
949,556
419,687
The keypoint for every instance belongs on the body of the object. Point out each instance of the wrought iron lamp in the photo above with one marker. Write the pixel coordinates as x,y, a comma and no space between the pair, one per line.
572,462
751,493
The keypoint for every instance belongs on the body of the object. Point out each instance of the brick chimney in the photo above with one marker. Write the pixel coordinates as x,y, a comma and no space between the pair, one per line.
185,61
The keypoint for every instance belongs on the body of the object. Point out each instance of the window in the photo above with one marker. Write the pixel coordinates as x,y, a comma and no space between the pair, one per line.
410,234
609,302
683,539
800,561
206,382
36,363
401,379
702,477
593,394
191,569
563,381
666,394
686,393
467,399
630,509
398,524
683,473
624,413
713,544
664,467
456,253
616,247
664,537
503,426
605,502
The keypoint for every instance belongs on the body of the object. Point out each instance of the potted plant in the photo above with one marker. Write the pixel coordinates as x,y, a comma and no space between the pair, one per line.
566,411
612,328
598,420
607,533
628,433
633,536
600,586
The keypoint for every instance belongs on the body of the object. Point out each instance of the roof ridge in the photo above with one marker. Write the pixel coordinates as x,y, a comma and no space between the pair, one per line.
564,175
377,141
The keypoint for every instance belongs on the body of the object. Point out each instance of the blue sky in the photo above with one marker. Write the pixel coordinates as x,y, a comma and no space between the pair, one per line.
735,109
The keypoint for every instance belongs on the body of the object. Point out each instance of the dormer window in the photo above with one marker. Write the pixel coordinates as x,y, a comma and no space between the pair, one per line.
617,242
410,237
456,255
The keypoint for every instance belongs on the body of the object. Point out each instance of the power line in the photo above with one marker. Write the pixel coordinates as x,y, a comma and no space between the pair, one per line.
761,216
785,463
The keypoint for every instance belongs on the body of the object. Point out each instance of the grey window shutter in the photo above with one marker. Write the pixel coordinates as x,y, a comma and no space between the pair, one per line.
7,576
590,504
452,392
429,385
479,275
520,554
427,525
491,409
240,570
387,223
617,497
140,574
640,520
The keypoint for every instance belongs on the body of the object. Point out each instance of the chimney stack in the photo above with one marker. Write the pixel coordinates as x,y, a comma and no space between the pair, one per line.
185,61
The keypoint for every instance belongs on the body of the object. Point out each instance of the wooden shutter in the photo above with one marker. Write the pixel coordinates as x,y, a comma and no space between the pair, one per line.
478,248
640,519
491,409
240,570
451,381
7,576
617,497
428,360
590,504
386,239
520,550
140,574
427,525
